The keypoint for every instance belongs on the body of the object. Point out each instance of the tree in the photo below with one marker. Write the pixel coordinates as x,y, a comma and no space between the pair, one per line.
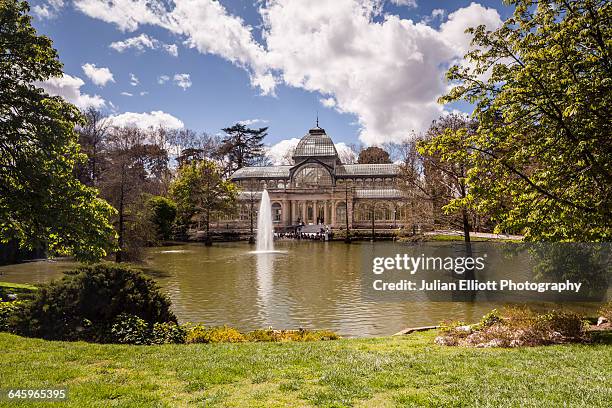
201,192
242,146
542,89
163,214
41,201
373,155
134,165
446,163
191,146
92,136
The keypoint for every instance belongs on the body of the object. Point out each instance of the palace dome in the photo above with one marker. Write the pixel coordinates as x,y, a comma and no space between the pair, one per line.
315,143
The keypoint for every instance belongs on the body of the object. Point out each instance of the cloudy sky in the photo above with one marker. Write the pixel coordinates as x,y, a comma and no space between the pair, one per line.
371,69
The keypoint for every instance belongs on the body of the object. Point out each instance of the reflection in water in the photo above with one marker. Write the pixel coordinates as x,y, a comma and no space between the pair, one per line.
314,285
265,285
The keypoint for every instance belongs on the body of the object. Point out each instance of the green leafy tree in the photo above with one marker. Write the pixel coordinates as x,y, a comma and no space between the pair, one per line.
163,214
41,201
446,162
542,89
201,192
242,146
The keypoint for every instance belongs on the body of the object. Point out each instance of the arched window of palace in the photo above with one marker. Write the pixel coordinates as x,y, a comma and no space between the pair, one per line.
311,175
276,212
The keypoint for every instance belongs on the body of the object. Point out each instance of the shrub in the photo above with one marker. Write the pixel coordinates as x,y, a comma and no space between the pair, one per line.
290,335
606,311
202,334
85,303
516,327
130,329
568,324
7,311
168,333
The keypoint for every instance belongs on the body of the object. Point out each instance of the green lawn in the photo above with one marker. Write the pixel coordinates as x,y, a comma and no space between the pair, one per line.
398,371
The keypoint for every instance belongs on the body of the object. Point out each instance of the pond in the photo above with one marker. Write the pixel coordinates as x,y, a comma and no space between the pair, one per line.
315,285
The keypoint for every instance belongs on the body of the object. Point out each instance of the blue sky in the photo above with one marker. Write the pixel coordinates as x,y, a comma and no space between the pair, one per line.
223,89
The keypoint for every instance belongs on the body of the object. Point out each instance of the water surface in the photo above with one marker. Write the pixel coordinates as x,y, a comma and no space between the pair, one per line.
308,284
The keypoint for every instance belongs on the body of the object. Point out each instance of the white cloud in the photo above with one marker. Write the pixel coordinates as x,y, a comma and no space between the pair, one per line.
143,93
126,94
162,79
453,30
134,80
249,122
99,76
281,152
126,14
141,43
385,70
328,102
69,88
409,3
435,13
153,119
43,11
171,49
182,81
48,10
346,153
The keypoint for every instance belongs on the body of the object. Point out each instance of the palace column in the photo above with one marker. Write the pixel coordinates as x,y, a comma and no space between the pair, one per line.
285,212
315,211
304,205
333,213
325,211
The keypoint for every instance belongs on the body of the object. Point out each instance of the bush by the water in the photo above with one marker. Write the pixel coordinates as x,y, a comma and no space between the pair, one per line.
86,304
203,334
515,327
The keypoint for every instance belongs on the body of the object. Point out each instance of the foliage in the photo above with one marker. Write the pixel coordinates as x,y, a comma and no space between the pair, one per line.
7,310
516,327
200,191
168,332
445,166
163,214
243,146
41,202
373,155
130,329
202,334
291,335
86,302
134,164
542,86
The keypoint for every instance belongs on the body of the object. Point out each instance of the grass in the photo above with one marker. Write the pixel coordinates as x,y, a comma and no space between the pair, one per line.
16,288
382,372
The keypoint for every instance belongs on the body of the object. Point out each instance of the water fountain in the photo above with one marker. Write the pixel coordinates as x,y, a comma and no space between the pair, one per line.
265,230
